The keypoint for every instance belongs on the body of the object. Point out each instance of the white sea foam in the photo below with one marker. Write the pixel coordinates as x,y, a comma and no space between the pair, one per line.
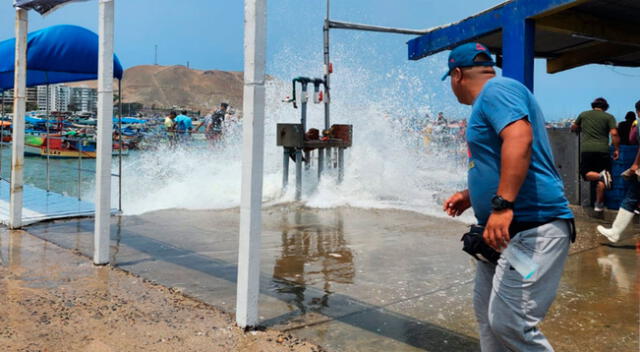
387,167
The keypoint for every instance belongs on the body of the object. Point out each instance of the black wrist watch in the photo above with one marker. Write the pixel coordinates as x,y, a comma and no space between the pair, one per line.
498,203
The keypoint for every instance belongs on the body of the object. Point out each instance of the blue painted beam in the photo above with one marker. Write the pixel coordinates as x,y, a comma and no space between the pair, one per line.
518,39
450,36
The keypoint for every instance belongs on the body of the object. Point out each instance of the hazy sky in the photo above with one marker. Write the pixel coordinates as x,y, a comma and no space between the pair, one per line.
208,35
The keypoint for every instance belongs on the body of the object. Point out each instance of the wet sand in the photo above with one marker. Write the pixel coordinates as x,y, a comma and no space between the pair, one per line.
55,300
364,280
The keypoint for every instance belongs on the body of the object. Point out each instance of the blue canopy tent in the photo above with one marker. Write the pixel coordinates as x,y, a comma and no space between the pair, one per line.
57,54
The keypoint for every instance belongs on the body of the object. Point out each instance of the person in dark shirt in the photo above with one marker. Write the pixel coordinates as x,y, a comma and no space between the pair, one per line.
213,128
595,126
624,128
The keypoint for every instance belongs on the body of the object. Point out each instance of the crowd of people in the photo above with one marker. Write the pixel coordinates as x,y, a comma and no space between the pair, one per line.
597,128
180,127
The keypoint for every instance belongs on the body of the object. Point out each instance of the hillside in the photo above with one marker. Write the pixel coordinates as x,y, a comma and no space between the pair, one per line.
168,86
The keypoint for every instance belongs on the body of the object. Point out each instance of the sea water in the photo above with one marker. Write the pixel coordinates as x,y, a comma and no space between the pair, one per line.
388,166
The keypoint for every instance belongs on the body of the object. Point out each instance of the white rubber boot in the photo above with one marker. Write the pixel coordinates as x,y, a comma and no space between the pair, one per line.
623,219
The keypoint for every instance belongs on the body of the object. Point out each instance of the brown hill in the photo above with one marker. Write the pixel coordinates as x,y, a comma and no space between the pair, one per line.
169,86
177,86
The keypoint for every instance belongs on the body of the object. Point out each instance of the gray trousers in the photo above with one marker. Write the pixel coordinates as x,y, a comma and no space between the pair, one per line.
507,306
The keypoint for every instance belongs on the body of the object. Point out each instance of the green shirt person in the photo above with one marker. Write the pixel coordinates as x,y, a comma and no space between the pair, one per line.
595,126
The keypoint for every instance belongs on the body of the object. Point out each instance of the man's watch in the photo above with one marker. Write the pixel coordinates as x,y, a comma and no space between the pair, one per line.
498,203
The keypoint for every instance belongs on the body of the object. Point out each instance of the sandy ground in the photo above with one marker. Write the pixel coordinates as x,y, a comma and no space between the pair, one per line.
55,300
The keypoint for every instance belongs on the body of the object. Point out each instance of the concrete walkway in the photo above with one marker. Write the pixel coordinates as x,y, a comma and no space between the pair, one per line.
364,280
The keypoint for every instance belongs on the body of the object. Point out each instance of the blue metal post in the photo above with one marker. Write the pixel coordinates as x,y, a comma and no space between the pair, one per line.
518,39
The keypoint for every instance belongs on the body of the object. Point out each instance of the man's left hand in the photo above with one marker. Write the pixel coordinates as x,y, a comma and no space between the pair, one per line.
496,233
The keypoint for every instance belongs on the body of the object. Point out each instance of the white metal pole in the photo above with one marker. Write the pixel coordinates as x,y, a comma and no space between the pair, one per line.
104,134
248,287
19,101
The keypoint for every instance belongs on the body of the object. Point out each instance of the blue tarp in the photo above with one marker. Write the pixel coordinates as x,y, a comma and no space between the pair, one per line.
56,54
129,120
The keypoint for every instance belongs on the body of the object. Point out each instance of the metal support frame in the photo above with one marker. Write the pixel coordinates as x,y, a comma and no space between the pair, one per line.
298,174
285,168
518,38
48,148
1,132
320,162
450,36
248,287
19,107
340,165
120,145
104,133
327,74
304,98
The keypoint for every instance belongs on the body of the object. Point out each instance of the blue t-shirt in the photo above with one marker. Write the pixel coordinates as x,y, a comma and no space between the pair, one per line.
183,123
541,197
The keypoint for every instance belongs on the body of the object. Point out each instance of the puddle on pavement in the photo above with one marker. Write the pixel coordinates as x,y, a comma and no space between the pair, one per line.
361,280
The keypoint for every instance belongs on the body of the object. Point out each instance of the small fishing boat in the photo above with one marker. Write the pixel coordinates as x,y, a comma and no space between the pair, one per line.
61,147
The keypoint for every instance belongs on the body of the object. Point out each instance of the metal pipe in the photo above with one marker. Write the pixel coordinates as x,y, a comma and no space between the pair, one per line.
48,135
80,170
340,164
298,174
120,142
320,162
303,108
285,168
369,28
327,65
2,133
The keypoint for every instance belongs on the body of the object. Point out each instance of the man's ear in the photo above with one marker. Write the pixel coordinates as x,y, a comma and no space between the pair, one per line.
456,74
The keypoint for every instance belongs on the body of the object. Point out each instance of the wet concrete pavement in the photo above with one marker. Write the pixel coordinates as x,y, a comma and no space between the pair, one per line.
364,280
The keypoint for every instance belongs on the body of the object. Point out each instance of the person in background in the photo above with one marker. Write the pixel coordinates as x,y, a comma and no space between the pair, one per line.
624,128
170,126
517,196
214,130
630,201
595,126
183,125
633,133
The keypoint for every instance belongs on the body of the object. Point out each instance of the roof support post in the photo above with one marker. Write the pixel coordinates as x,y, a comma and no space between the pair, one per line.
248,288
518,39
104,134
19,108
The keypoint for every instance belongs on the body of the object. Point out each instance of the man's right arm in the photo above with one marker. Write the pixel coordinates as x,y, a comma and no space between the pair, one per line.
576,124
615,140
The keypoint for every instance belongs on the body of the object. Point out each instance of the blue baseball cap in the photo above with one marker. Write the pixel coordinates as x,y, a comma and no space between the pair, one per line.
464,56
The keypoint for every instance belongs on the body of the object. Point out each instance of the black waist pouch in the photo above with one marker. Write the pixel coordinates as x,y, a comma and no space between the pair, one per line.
474,244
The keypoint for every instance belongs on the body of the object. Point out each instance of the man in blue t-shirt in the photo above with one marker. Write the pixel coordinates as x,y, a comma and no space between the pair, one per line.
516,194
183,125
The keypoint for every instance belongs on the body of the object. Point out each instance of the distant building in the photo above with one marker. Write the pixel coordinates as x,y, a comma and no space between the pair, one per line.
56,98
32,96
64,98
84,98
